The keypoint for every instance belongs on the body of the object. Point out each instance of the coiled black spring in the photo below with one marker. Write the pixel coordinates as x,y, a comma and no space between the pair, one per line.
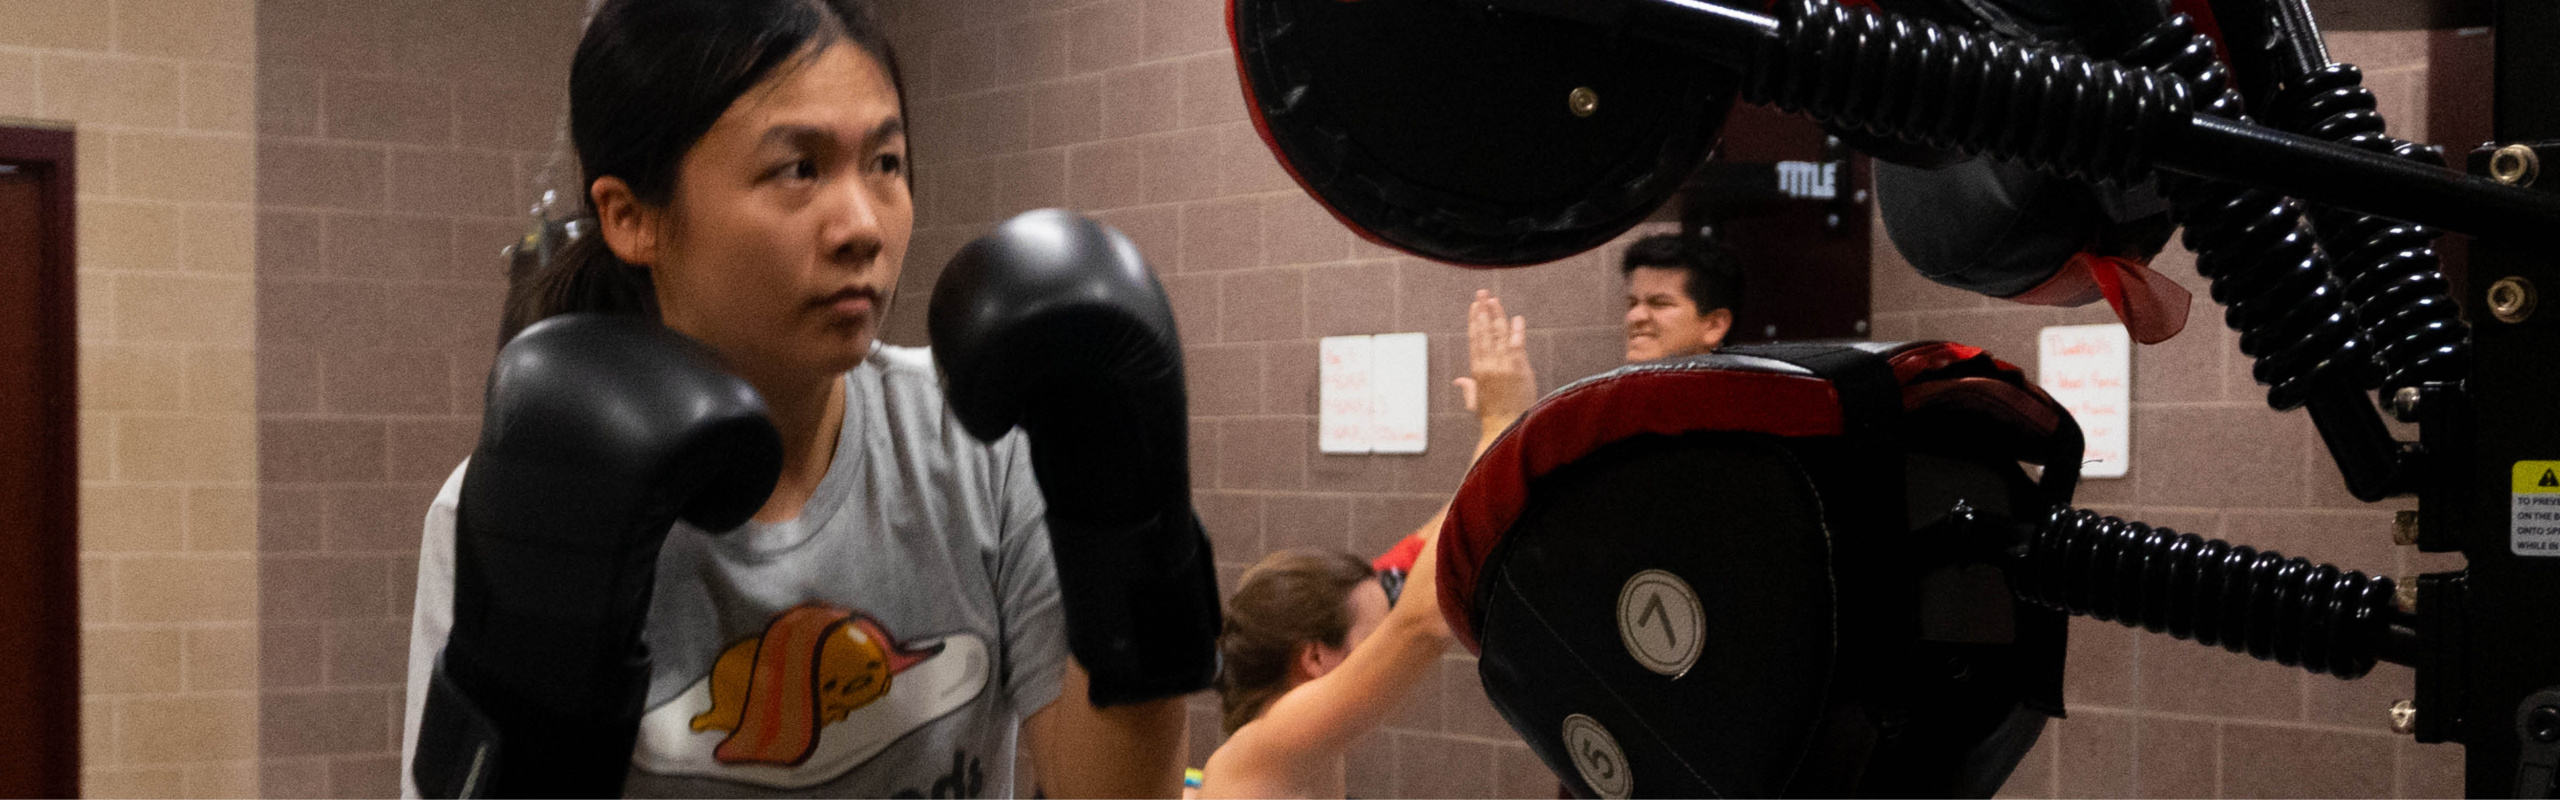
2272,278
2286,610
2389,268
2308,322
1954,89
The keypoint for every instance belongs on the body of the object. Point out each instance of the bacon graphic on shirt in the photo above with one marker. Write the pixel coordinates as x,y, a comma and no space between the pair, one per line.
813,665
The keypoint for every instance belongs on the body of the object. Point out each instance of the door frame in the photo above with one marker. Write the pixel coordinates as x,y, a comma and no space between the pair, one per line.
40,600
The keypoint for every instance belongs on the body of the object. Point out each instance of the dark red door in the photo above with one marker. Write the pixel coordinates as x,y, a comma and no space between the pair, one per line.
39,471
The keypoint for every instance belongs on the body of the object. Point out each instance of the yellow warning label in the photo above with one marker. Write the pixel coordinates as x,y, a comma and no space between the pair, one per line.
2537,477
2534,529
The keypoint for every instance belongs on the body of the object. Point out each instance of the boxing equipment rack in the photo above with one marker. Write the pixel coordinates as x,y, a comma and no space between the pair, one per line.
2334,312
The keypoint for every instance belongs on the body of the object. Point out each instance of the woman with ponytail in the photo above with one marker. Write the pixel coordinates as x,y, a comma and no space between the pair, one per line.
888,623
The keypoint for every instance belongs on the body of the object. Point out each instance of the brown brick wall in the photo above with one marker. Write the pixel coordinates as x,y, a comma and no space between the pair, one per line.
158,92
398,143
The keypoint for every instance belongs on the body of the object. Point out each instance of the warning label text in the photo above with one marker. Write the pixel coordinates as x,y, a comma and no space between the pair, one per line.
2534,513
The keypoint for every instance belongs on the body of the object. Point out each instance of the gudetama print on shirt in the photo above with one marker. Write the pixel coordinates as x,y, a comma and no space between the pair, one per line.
817,692
763,691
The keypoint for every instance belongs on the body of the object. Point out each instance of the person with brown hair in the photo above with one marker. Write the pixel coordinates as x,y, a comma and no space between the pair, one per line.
1315,660
1315,656
1295,617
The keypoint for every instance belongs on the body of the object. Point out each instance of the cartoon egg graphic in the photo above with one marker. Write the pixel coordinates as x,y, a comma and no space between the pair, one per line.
811,667
818,691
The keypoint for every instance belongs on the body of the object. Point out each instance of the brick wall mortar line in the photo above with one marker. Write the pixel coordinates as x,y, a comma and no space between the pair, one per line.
193,133
113,55
182,627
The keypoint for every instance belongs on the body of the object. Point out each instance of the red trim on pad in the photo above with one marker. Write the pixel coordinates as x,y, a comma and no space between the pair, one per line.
1262,128
1580,419
1677,398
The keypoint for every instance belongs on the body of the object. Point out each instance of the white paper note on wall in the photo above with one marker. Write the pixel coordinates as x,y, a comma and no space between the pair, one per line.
1345,394
2089,370
1373,393
1399,371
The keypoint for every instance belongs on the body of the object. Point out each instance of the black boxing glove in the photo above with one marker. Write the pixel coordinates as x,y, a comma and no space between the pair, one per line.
1054,323
600,432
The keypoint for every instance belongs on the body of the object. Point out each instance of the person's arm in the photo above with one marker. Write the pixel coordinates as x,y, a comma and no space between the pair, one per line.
1323,716
1077,749
431,618
1133,750
1499,386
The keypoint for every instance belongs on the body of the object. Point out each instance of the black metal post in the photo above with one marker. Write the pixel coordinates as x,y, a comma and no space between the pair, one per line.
2511,602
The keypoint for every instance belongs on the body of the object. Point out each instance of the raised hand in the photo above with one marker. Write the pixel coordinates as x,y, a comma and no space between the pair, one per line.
1499,385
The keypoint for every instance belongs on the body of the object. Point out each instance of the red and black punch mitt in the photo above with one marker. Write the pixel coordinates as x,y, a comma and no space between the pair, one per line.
1736,574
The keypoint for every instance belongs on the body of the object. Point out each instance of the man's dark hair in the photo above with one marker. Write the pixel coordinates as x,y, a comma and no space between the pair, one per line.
1713,274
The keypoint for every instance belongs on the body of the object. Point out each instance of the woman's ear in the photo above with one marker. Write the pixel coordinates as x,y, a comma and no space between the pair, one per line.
1307,663
629,227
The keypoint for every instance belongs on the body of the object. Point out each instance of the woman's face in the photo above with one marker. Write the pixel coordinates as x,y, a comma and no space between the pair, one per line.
790,220
1368,606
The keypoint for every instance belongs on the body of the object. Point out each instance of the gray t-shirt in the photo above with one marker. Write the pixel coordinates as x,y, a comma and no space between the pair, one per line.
887,643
